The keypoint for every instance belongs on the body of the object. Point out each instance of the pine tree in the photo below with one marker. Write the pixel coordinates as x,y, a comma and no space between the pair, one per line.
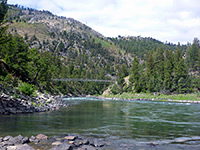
180,82
168,71
193,55
159,69
3,8
150,73
135,75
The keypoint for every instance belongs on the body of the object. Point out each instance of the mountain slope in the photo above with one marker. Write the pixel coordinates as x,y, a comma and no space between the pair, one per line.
138,46
65,36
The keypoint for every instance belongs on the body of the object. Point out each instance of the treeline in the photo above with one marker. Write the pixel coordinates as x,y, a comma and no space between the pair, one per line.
164,71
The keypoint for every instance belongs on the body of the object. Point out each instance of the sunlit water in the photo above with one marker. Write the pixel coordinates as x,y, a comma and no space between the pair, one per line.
141,121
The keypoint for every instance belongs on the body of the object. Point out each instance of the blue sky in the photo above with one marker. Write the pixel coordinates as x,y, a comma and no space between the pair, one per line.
172,20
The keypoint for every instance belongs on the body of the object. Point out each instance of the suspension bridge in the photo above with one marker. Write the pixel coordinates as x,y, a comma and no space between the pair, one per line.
85,80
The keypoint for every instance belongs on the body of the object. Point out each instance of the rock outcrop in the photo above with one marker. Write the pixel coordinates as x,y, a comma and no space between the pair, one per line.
27,104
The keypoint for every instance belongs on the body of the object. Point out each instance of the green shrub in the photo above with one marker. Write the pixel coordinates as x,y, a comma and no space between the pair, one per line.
115,89
198,94
26,88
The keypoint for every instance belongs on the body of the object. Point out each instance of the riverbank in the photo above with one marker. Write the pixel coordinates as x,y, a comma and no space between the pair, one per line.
180,98
43,142
74,142
29,104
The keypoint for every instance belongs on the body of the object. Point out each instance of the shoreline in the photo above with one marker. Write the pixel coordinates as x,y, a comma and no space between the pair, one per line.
155,99
78,142
29,104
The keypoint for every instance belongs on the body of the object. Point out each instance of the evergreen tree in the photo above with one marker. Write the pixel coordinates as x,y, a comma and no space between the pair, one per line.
168,71
3,8
180,83
159,69
150,73
193,55
15,55
135,75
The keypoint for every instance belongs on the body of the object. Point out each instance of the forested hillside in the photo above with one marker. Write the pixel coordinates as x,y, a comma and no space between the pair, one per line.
140,45
37,46
164,71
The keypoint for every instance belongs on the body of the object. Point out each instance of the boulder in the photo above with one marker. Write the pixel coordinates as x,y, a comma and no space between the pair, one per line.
154,144
88,147
25,140
33,138
56,143
16,140
71,142
2,148
7,138
63,146
80,142
70,138
41,137
20,147
97,143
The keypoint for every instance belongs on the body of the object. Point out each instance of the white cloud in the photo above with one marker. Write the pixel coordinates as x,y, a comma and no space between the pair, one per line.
170,20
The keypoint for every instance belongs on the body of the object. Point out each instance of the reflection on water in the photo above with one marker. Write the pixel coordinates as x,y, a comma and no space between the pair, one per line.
138,120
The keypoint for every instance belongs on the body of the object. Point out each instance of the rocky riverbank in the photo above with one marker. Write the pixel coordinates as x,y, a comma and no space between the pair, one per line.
74,142
43,142
29,104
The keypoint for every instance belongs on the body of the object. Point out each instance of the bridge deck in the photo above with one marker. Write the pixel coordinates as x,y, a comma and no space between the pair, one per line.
83,80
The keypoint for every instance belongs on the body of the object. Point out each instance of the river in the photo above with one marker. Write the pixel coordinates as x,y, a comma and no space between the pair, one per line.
125,122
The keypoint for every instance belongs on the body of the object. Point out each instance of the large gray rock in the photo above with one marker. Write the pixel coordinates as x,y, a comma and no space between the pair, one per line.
25,140
97,143
16,140
41,137
20,147
88,147
7,138
63,146
70,138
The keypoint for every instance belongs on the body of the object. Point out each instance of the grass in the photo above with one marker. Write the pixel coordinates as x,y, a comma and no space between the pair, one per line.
103,43
38,29
160,97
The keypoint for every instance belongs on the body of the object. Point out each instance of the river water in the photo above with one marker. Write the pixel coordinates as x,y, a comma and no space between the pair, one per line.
122,121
